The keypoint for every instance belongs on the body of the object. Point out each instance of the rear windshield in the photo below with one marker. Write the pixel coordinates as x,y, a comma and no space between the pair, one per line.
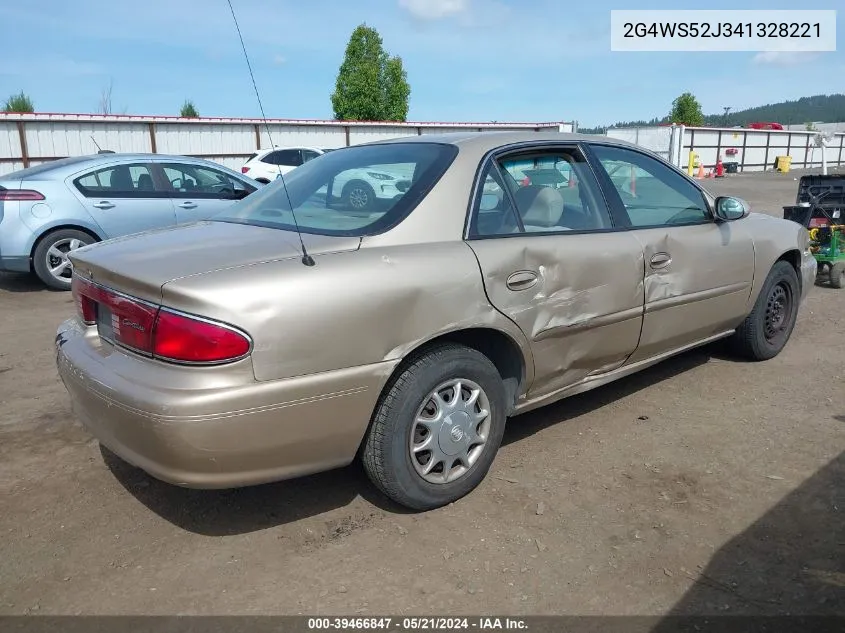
362,190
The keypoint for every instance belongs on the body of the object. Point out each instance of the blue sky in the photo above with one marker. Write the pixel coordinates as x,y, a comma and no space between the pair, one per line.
467,60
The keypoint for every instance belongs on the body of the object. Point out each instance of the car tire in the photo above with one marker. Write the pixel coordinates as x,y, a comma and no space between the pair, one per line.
359,196
388,452
837,275
46,256
765,332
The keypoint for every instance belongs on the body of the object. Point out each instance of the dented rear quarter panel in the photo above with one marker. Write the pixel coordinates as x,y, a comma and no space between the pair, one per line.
350,309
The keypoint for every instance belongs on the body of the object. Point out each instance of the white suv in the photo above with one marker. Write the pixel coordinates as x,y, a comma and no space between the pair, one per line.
266,165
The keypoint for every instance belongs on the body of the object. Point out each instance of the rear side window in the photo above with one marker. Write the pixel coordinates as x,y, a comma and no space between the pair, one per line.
545,191
284,157
118,181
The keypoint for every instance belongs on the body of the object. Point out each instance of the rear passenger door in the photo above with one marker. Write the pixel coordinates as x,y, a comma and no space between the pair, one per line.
124,198
554,261
200,192
698,272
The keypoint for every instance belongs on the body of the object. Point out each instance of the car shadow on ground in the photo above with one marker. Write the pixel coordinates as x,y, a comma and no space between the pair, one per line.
238,511
21,282
581,404
243,510
791,561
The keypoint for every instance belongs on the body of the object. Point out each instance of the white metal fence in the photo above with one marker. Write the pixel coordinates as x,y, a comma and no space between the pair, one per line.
31,139
751,150
667,141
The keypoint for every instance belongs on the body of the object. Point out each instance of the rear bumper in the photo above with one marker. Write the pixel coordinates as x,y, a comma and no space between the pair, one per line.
193,427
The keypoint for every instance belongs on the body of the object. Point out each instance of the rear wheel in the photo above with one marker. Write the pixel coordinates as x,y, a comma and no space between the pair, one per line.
837,275
50,259
437,428
765,331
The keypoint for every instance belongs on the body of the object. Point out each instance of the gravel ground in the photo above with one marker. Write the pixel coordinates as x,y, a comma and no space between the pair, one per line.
702,485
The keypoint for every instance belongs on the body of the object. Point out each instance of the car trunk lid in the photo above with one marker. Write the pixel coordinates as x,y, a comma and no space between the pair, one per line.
140,264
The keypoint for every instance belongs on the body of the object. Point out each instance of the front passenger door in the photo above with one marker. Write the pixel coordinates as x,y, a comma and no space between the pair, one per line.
200,192
698,272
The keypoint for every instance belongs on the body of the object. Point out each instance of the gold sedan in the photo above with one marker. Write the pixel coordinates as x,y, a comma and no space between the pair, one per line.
485,275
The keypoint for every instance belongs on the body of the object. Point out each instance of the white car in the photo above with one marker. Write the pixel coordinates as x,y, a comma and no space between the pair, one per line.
267,164
365,189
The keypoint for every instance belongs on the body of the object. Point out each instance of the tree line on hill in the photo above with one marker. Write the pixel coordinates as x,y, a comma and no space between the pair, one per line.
806,110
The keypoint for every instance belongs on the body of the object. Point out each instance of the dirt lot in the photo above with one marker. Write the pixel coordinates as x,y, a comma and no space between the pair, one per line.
701,486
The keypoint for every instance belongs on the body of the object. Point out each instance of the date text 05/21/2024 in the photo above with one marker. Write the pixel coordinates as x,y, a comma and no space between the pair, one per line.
417,624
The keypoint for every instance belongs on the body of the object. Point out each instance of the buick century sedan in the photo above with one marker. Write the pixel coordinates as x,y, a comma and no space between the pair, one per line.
293,333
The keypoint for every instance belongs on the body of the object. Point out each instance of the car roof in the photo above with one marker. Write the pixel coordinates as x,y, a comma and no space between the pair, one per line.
486,141
75,164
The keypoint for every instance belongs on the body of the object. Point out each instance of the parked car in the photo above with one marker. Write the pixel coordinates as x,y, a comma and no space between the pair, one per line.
214,356
268,164
51,209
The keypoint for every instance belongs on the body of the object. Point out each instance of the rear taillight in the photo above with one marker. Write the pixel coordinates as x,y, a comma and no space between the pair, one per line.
20,195
185,339
244,170
82,291
119,318
156,331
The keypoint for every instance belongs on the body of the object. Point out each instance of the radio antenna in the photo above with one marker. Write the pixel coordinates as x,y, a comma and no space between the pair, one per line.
95,143
306,258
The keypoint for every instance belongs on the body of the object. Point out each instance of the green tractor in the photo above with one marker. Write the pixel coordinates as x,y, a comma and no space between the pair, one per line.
820,207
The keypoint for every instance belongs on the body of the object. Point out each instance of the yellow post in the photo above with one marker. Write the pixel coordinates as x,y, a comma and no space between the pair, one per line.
691,165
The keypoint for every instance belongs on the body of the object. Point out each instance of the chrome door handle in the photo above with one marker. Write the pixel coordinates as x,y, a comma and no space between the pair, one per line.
522,280
661,260
103,204
188,205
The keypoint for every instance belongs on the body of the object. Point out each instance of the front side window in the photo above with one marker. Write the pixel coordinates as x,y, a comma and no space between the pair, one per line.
653,194
193,181
550,191
118,181
360,191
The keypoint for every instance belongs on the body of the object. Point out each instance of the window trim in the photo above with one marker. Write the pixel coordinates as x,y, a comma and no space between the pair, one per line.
155,194
615,199
496,154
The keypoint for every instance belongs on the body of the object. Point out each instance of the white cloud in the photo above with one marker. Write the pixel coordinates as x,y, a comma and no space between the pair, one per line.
434,9
278,60
783,58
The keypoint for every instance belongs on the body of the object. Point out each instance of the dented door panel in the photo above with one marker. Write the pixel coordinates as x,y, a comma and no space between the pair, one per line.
583,314
697,283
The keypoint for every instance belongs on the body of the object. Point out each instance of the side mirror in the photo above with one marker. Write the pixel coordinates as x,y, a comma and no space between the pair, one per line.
239,191
728,208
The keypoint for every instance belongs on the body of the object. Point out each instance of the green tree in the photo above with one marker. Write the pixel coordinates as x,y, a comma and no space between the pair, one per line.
19,103
686,110
189,110
371,85
397,90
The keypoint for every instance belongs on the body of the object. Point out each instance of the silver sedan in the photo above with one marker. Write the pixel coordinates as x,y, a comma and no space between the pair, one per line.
49,210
